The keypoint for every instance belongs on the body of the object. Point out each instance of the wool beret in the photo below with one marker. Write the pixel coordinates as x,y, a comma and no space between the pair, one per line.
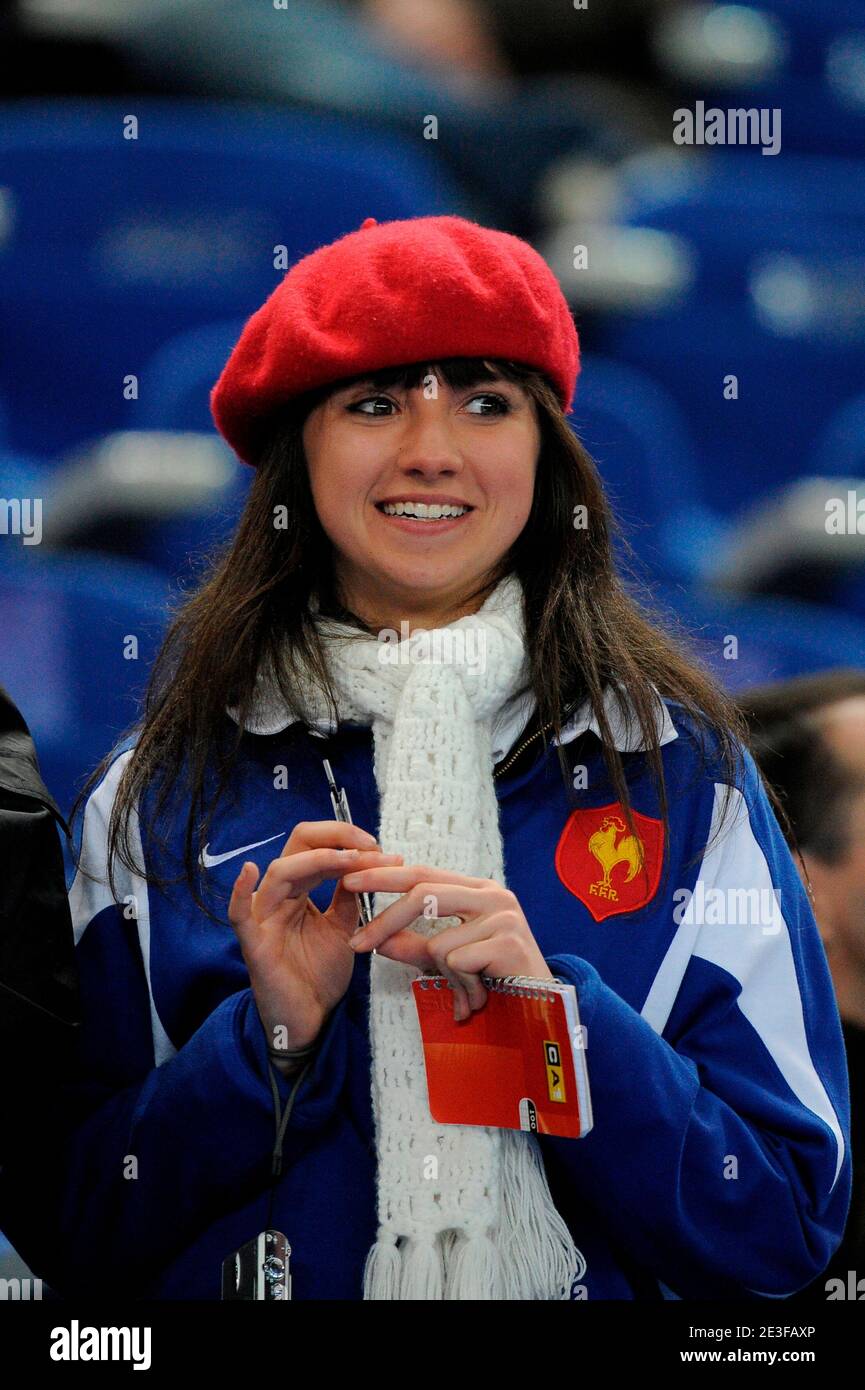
388,294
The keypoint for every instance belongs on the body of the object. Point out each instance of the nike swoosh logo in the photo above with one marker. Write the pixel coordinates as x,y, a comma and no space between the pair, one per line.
209,861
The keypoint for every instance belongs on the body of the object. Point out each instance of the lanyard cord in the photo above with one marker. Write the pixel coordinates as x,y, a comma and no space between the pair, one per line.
281,1125
282,1121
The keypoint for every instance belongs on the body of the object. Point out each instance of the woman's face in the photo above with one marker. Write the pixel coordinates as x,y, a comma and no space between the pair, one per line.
474,447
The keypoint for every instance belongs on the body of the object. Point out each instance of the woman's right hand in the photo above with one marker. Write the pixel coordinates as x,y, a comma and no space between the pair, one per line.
298,958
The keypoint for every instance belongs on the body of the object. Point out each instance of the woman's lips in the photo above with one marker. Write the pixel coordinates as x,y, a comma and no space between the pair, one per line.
415,527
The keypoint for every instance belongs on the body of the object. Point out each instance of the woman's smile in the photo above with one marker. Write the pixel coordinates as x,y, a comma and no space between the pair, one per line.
424,515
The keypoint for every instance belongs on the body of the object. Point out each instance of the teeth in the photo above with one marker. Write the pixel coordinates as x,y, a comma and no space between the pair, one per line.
423,510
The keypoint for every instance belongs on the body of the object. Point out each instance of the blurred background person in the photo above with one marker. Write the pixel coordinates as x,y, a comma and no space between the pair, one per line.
39,995
809,742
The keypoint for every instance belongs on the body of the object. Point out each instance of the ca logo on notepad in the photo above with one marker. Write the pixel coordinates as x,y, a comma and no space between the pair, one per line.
610,870
555,1071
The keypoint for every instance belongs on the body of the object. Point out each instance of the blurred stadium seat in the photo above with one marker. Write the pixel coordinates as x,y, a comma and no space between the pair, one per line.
774,638
648,464
803,58
688,192
792,334
68,624
725,270
181,374
841,446
811,29
161,496
113,245
820,86
22,476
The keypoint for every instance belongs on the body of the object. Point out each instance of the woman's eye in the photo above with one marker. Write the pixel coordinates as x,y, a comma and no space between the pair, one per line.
370,400
490,404
500,404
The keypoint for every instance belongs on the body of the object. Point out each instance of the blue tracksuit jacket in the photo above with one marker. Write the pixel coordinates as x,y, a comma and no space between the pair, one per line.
718,1165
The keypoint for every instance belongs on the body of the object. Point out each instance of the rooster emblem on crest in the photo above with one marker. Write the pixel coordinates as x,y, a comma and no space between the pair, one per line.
608,853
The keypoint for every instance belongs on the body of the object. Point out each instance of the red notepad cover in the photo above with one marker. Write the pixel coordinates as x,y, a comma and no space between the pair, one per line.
514,1064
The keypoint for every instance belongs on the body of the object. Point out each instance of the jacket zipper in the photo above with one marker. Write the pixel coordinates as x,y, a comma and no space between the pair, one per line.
512,759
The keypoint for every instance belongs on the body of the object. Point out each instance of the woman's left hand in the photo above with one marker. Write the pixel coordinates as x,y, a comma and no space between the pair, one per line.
493,937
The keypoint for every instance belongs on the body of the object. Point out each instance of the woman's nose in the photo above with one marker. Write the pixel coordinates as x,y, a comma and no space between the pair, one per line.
428,443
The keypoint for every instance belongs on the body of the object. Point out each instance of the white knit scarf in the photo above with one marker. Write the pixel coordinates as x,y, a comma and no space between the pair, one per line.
464,1212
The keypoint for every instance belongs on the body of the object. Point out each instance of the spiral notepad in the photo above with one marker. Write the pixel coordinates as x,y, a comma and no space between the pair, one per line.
517,1063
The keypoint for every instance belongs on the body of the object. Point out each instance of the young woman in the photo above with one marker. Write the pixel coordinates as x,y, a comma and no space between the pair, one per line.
549,788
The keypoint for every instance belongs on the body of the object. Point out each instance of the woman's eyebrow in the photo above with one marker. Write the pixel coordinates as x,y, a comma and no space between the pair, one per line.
354,386
370,384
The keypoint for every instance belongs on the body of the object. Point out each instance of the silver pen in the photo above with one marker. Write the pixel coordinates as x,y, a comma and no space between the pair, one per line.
339,802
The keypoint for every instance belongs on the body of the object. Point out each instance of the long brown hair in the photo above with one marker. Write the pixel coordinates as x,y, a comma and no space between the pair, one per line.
585,625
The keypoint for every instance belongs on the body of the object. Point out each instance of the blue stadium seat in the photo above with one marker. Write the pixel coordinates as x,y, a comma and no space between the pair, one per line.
778,254
788,323
636,435
67,621
774,638
810,30
816,81
172,542
117,244
180,374
727,243
840,452
21,477
729,187
841,447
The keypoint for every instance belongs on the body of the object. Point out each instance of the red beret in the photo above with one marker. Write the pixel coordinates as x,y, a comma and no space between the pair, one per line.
391,293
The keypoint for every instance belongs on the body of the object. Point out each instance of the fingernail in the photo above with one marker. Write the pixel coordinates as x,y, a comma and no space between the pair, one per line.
370,839
351,879
350,853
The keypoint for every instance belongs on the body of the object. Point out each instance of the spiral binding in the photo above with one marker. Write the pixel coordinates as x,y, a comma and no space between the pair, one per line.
526,986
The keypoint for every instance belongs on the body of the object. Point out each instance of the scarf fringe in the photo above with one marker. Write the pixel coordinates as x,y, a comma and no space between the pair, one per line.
474,1269
414,1270
423,1275
532,1257
381,1273
539,1258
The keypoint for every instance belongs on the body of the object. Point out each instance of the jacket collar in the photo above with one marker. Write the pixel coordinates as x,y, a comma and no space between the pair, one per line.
512,720
625,728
